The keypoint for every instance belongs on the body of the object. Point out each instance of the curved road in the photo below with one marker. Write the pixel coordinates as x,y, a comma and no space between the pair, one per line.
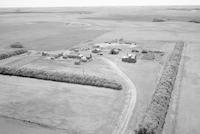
128,110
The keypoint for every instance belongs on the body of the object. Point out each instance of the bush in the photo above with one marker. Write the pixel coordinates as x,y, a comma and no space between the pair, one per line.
158,20
195,21
16,45
12,53
61,77
154,119
144,51
135,51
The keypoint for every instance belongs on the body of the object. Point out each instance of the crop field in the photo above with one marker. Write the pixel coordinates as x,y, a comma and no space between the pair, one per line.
44,36
58,105
102,70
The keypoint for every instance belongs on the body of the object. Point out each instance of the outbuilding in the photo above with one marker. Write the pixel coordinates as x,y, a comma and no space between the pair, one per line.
130,58
114,51
83,59
96,50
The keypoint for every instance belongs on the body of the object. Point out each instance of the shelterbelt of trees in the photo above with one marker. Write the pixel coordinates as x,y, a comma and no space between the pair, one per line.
12,53
61,77
154,118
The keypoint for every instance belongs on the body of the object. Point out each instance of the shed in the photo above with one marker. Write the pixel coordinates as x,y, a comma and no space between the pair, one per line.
114,51
73,55
83,59
96,50
45,54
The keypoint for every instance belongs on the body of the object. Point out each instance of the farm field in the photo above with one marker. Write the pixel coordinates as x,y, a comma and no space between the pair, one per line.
45,35
52,35
190,81
59,105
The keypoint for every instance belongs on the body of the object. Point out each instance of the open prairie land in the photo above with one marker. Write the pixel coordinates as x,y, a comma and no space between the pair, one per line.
63,40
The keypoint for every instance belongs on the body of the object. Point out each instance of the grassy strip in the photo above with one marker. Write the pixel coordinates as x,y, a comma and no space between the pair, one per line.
154,118
61,77
12,53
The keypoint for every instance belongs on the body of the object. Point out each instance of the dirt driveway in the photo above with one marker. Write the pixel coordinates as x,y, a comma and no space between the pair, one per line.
129,107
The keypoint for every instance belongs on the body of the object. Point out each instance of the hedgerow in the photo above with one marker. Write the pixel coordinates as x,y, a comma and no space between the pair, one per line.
12,53
154,118
61,77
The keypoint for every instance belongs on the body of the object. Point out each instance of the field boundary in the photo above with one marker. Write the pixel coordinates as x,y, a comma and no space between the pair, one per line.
154,118
61,77
171,118
12,53
33,123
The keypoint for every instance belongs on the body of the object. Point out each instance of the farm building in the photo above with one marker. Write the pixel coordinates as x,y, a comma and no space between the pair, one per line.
45,54
73,55
52,55
114,51
130,58
89,57
83,59
96,50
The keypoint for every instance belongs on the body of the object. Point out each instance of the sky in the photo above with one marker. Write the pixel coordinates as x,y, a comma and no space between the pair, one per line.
63,3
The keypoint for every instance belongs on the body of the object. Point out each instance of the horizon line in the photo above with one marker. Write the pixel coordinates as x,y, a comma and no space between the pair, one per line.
188,5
